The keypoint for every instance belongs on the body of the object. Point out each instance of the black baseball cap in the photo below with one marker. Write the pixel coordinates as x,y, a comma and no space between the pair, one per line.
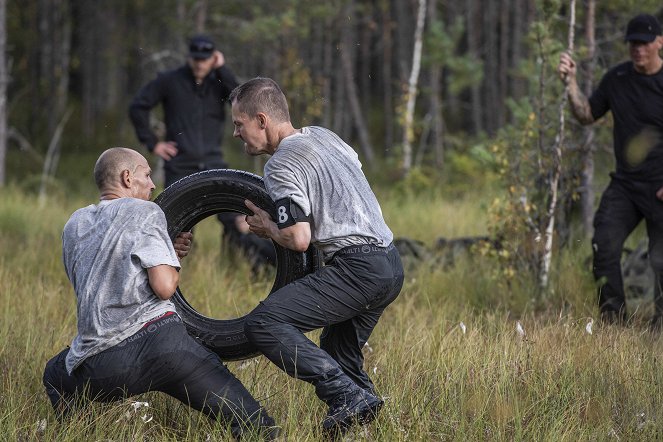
201,47
643,27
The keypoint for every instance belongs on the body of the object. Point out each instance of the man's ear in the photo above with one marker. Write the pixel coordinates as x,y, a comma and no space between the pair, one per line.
126,178
262,119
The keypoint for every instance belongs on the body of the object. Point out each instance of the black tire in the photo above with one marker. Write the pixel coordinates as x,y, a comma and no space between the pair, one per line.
194,198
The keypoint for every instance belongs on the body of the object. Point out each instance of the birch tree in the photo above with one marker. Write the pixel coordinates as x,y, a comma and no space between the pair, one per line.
411,95
546,257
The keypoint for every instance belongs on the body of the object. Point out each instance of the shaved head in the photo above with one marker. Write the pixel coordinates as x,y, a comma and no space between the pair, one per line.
112,162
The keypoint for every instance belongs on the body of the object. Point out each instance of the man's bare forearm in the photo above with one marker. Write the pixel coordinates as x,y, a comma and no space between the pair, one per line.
579,104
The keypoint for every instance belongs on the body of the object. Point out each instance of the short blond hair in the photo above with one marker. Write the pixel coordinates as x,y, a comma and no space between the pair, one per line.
261,94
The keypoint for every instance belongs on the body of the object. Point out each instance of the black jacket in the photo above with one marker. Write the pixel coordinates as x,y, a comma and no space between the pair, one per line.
194,116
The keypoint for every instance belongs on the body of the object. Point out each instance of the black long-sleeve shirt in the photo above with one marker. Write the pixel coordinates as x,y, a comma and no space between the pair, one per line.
194,116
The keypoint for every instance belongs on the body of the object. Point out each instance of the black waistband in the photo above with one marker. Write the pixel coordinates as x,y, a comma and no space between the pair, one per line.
363,249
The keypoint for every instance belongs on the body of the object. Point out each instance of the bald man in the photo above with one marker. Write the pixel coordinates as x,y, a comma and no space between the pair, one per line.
124,269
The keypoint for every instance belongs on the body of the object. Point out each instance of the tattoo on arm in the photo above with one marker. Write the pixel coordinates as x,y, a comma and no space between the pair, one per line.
580,105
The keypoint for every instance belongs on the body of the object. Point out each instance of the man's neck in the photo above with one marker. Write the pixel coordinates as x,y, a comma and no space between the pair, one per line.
652,68
106,195
284,131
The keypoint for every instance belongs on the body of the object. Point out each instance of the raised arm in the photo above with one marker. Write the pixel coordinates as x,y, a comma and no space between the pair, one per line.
577,100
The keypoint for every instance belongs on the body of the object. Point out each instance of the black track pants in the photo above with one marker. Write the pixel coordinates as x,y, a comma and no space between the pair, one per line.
159,357
345,298
623,205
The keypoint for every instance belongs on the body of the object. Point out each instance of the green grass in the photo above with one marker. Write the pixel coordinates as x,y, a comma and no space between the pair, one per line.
556,383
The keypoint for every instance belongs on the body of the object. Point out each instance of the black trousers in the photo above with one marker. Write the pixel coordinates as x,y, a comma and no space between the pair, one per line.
623,205
345,298
160,357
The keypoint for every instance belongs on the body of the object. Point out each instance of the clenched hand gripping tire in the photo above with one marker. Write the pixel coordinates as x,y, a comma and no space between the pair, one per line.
194,198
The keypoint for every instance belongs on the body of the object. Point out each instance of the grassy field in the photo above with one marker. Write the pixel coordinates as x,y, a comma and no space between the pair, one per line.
446,355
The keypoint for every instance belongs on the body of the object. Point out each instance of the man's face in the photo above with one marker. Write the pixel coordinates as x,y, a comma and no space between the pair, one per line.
201,67
248,130
142,185
645,54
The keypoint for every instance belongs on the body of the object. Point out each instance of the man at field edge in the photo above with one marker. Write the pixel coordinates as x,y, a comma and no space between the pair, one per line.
633,92
124,270
322,198
193,97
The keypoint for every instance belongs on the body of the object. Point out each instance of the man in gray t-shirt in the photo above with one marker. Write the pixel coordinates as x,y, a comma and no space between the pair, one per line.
124,269
322,199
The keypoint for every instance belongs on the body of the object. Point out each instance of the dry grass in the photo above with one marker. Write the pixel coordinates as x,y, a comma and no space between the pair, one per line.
442,381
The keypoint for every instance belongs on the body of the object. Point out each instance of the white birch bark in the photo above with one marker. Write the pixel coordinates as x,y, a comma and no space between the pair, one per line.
408,132
548,236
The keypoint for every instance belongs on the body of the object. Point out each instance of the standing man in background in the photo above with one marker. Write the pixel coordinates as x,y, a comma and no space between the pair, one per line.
194,97
322,198
633,92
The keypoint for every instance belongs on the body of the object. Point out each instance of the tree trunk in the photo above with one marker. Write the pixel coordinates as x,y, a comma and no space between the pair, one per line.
473,51
347,64
62,50
365,33
517,85
404,33
435,77
587,174
503,65
411,97
327,76
491,56
3,90
200,19
387,78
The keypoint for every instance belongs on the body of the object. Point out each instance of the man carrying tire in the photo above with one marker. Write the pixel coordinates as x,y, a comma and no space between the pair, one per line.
322,198
124,269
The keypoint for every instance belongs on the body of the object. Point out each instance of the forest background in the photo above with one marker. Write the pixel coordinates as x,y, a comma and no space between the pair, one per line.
459,118
430,93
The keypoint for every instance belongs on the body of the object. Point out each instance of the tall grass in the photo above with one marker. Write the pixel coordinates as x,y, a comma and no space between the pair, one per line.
482,380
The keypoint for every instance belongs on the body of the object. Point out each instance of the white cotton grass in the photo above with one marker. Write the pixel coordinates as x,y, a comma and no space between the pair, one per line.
41,425
588,327
463,327
520,330
134,409
249,362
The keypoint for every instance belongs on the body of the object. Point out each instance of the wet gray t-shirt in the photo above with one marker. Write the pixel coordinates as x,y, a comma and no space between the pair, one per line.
323,176
106,249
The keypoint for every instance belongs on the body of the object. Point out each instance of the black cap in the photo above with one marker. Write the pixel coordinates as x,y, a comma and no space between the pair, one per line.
643,27
201,47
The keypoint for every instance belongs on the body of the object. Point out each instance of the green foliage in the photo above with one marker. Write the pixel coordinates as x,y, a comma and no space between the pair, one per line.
415,182
524,153
442,48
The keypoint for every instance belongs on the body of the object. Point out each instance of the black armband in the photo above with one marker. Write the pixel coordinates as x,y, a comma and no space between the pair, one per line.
288,213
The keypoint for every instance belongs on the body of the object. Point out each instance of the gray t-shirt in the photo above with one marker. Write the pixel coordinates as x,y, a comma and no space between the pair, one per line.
106,249
323,176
